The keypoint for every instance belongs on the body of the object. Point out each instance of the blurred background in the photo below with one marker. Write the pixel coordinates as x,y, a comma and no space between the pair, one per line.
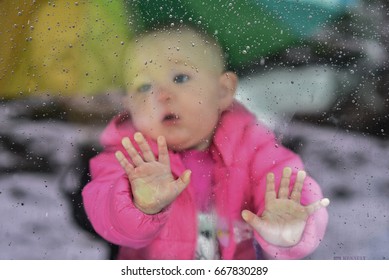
316,71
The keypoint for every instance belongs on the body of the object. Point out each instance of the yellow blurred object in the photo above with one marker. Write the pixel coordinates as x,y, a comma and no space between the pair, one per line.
61,47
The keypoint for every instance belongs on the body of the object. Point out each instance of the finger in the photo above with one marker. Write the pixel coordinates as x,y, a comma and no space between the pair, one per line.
253,220
144,147
283,192
313,207
128,168
270,188
183,181
298,186
132,152
163,154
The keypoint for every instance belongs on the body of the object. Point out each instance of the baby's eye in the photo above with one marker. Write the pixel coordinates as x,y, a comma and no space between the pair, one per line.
181,78
144,88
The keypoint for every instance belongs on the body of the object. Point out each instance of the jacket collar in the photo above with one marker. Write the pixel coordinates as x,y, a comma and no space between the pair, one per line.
230,132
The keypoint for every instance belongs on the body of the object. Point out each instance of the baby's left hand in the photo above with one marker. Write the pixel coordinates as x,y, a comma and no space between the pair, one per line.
283,221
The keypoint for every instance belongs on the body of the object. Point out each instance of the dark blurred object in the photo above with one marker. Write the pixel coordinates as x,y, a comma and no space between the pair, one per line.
357,47
77,176
92,109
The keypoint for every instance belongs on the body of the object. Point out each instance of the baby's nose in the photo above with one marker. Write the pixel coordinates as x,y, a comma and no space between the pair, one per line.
163,93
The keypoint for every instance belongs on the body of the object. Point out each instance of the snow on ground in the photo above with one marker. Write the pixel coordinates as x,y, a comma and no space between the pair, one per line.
40,164
353,171
36,222
36,215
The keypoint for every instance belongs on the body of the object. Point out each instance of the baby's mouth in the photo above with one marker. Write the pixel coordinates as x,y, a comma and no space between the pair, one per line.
169,118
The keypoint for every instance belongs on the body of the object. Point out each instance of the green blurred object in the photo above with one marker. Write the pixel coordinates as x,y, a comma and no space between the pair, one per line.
247,29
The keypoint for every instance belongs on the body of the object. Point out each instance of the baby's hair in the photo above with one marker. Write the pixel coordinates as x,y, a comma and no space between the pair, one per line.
178,27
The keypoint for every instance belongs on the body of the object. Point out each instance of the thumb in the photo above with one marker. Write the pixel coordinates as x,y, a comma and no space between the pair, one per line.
253,220
313,207
183,181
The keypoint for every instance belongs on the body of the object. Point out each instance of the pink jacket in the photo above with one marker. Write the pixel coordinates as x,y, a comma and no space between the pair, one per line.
244,151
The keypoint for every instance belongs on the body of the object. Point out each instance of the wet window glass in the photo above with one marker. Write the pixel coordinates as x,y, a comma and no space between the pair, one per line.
312,72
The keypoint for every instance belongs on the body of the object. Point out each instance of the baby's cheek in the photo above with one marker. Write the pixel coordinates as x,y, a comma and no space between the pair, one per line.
142,117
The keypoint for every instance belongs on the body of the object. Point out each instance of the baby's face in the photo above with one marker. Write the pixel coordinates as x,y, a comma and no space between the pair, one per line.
173,90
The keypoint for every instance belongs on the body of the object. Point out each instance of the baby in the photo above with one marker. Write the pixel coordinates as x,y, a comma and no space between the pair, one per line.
189,173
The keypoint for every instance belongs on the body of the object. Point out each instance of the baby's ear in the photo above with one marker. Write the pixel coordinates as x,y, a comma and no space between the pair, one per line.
228,84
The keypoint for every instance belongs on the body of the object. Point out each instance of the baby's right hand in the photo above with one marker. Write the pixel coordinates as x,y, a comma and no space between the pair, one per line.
152,182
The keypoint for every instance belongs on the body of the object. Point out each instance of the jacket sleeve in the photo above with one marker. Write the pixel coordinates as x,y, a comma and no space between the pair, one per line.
272,157
108,203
